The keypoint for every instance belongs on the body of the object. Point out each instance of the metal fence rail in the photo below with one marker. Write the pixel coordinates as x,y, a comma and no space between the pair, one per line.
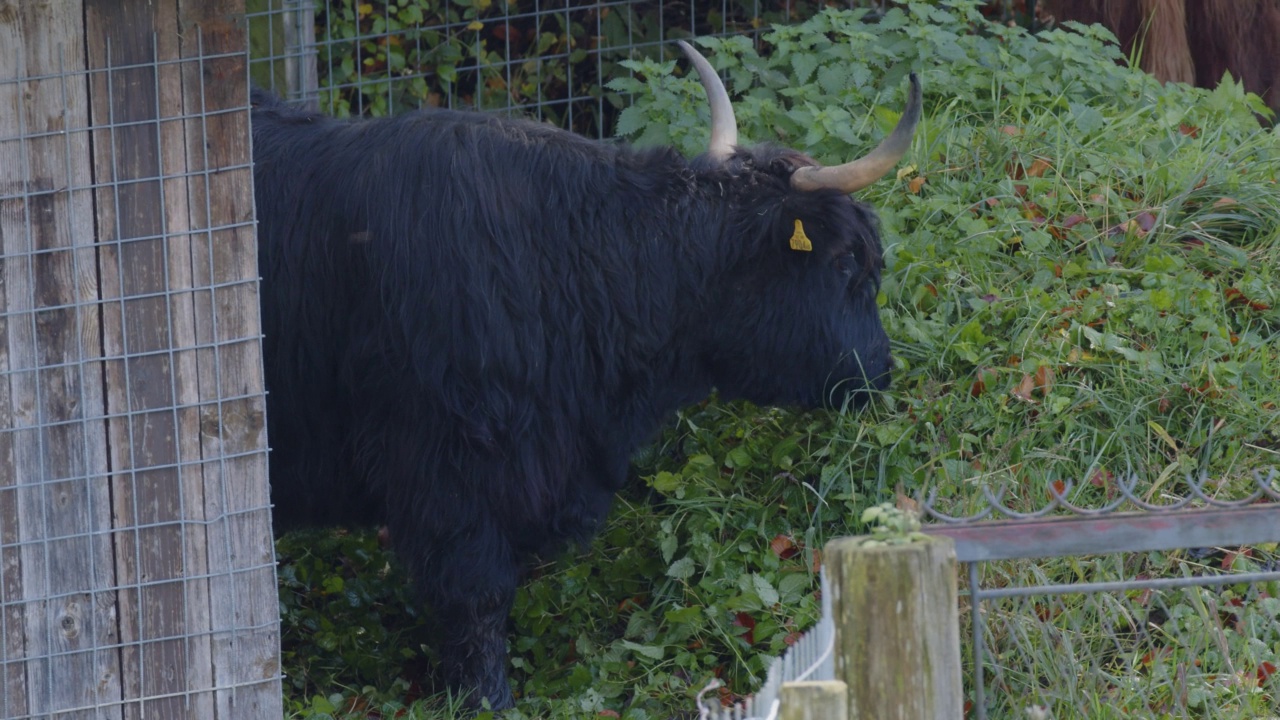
137,573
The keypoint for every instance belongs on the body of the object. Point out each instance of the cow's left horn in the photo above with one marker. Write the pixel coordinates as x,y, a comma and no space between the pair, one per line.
853,176
724,127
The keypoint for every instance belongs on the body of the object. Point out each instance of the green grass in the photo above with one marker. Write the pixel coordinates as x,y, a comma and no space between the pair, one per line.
1082,283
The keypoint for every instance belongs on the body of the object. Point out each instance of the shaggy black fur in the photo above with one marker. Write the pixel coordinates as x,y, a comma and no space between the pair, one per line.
471,323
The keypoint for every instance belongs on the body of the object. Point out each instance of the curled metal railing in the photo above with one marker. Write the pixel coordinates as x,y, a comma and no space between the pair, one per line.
1125,495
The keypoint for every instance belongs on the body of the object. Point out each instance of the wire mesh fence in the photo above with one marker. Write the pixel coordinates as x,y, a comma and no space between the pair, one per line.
549,59
1204,650
1122,596
137,572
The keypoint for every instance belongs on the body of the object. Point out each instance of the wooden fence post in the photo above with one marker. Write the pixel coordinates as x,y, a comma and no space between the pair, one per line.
137,574
814,700
897,628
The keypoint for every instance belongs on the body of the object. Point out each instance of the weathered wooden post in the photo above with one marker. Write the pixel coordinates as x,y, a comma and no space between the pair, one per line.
897,628
137,574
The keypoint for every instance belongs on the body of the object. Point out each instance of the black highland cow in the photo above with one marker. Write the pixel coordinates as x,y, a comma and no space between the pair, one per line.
471,323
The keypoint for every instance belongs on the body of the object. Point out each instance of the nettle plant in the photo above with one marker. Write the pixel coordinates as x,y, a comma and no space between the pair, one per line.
380,57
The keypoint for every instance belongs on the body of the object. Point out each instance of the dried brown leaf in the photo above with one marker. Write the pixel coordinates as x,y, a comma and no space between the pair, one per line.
1024,388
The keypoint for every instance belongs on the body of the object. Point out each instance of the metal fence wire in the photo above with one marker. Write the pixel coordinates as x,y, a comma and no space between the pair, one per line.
548,59
1107,597
1121,596
137,569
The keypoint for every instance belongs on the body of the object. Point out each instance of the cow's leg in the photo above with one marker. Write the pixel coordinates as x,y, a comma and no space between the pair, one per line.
468,577
473,653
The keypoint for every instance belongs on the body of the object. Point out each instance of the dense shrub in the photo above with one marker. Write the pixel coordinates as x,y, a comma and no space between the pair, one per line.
383,56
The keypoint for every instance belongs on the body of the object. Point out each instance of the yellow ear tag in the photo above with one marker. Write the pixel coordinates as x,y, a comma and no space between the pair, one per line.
800,241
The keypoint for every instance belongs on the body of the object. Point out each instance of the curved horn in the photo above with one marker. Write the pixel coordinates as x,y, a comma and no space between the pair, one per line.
724,127
857,174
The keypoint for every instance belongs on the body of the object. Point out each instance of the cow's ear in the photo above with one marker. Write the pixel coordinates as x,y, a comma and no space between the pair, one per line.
799,240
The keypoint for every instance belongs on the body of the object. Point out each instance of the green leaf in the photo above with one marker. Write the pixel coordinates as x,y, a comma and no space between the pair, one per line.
765,590
322,704
650,651
784,452
579,676
666,483
1087,119
668,544
832,79
793,586
804,65
737,458
681,569
683,615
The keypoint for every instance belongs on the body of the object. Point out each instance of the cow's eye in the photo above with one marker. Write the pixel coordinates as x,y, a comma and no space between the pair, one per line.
845,264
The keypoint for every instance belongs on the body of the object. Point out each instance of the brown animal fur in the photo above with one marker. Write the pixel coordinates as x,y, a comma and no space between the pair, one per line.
1194,41
1166,53
1240,36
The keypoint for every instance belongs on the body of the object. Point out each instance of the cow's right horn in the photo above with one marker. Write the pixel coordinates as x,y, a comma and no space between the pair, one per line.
853,176
724,127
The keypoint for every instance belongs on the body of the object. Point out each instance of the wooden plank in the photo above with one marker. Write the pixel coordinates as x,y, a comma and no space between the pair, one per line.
284,33
136,561
57,568
179,217
241,551
17,431
125,41
183,280
266,40
138,373
300,60
178,227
